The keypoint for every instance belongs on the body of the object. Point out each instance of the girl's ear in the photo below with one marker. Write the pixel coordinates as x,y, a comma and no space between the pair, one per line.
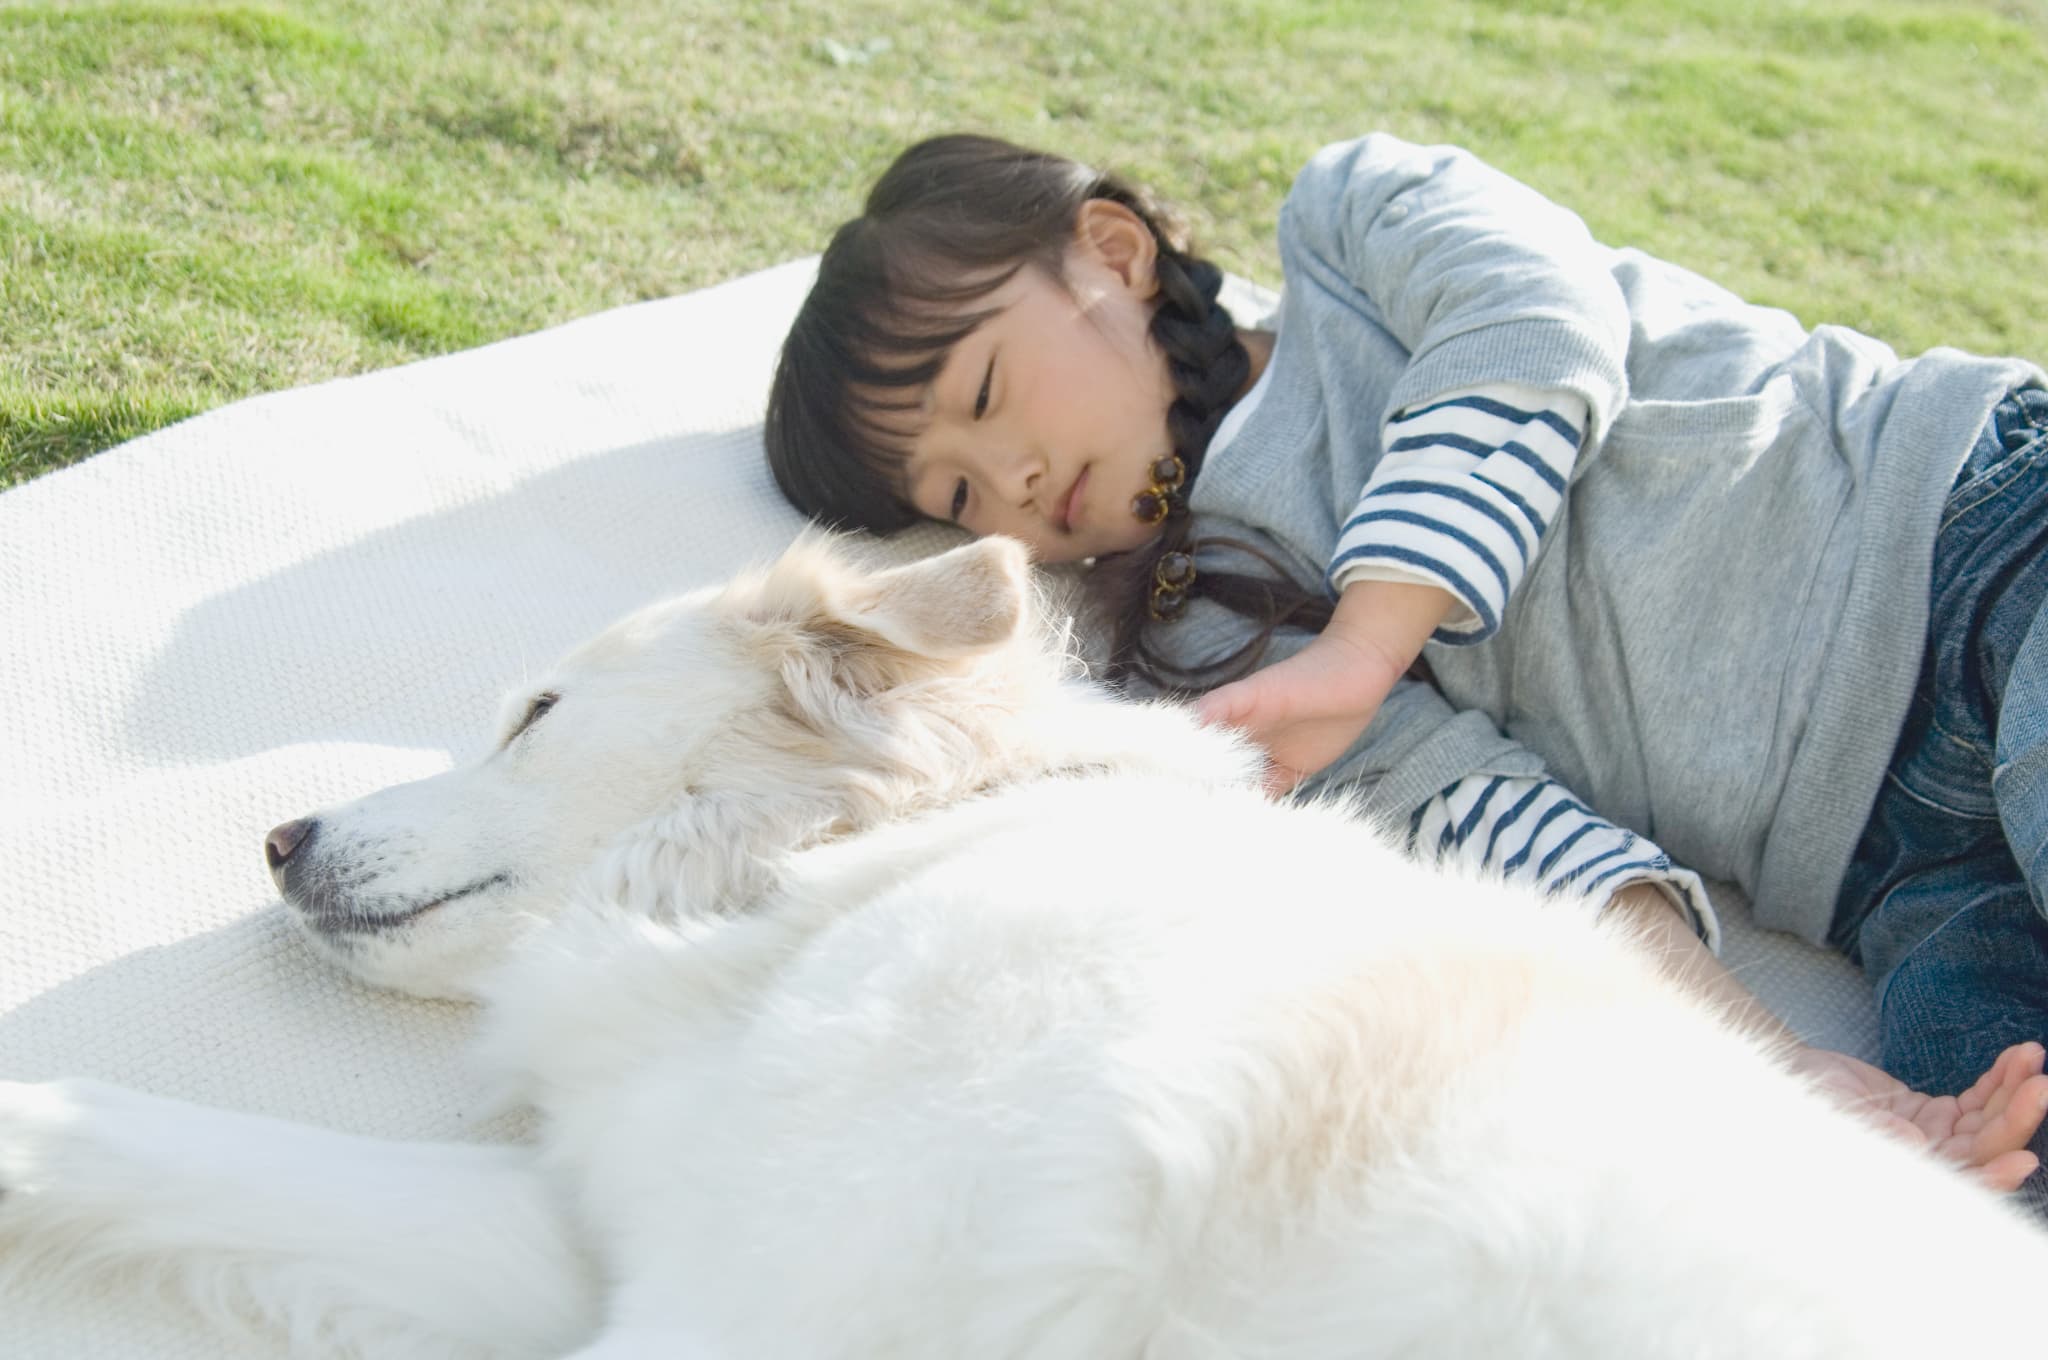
1119,240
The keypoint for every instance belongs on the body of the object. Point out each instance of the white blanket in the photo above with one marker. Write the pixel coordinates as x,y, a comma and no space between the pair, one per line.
304,596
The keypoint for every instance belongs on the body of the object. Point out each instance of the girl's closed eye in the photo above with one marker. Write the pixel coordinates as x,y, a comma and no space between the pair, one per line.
981,397
959,506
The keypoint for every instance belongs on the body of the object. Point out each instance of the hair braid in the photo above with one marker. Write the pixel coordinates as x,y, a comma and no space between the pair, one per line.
1208,365
1207,362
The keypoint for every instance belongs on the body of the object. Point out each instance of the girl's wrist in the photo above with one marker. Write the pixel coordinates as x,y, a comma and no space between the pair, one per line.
1390,618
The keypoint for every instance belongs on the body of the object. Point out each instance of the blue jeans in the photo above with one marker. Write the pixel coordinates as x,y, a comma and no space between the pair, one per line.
1946,900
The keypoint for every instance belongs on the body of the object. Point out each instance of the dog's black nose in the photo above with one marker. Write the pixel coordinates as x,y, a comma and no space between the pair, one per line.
283,841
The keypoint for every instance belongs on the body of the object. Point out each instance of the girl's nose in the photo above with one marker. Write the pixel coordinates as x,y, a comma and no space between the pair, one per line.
1026,478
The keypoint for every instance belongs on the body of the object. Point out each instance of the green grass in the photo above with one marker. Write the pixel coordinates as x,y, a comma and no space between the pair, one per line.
202,201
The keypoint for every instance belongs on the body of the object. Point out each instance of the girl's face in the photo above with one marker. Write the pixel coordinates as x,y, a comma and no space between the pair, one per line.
1046,418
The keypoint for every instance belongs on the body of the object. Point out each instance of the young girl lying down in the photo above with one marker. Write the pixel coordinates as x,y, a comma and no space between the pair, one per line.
1575,563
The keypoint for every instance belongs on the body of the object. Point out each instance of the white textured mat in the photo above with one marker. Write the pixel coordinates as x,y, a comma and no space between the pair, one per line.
304,596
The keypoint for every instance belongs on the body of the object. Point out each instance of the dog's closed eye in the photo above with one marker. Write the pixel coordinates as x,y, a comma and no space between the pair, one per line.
535,711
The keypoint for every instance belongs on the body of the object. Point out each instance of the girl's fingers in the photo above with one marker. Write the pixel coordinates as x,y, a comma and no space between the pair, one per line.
1987,1086
1241,703
1222,705
2014,1068
2024,1113
2006,1130
2004,1173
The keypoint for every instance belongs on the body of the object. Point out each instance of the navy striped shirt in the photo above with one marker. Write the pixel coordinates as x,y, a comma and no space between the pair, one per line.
1530,830
1464,491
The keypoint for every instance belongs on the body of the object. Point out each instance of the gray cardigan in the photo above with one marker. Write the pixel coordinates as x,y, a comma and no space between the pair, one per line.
1718,638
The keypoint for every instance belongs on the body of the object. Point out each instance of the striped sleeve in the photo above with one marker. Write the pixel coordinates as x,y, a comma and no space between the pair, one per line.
1465,489
1530,830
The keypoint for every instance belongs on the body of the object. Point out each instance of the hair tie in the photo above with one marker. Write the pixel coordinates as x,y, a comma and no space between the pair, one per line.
1173,575
1162,498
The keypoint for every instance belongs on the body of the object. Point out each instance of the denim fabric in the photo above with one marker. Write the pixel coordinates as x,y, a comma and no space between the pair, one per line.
1944,901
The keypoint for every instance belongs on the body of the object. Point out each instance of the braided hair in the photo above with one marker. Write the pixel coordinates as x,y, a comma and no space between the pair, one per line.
951,221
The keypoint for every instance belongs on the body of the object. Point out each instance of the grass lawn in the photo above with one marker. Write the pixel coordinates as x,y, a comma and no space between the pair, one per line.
202,201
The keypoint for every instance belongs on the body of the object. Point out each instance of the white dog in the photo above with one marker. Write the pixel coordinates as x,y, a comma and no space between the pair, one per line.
924,1002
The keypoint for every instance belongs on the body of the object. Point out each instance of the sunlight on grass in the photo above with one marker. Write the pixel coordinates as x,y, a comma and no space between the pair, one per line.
203,201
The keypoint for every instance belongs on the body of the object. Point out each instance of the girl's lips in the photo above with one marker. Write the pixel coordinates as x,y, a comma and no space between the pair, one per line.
1071,502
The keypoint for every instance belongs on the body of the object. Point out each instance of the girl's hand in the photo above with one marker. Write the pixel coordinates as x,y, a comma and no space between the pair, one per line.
1985,1130
1307,710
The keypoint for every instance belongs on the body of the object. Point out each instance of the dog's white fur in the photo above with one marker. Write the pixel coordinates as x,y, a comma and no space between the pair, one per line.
924,1002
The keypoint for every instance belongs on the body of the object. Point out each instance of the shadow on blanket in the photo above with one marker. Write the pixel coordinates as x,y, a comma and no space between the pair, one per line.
306,1041
319,634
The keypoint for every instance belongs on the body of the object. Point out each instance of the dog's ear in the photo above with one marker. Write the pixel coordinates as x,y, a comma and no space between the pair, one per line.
956,604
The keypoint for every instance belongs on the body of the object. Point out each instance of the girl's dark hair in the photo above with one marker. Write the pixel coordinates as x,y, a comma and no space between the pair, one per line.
951,221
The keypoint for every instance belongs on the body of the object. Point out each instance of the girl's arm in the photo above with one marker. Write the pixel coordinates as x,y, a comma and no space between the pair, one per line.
1531,830
1516,335
1465,490
1446,529
1985,1130
1517,823
1517,338
1479,279
1515,332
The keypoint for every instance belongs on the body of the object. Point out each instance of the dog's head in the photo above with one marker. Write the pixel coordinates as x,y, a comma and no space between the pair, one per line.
675,756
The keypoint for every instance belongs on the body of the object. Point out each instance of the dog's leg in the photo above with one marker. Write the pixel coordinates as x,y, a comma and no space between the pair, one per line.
365,1245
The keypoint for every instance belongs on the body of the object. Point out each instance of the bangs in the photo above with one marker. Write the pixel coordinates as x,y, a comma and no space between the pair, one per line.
849,394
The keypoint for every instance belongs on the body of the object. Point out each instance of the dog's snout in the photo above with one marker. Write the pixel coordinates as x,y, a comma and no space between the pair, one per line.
284,841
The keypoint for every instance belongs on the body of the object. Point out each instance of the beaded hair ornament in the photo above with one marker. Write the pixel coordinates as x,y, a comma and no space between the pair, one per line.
1174,573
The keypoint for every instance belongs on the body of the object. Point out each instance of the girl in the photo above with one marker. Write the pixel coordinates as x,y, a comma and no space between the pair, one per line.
1648,542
